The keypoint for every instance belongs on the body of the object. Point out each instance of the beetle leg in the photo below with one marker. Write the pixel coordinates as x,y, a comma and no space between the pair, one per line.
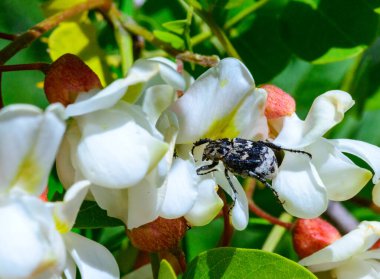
207,168
199,142
263,180
279,148
233,190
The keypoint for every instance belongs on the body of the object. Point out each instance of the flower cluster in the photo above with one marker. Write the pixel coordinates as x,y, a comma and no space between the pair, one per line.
129,147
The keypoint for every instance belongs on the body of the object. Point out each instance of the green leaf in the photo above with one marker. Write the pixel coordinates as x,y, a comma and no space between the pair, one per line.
338,54
200,239
91,216
166,271
244,263
305,81
312,27
176,26
170,38
259,43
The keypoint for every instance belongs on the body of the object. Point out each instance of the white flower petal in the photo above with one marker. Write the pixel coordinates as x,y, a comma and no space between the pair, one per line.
154,71
103,99
367,152
211,102
70,270
299,186
93,260
66,212
114,201
341,177
371,254
355,269
327,110
239,213
115,151
250,118
143,203
351,244
30,244
66,161
33,138
157,99
207,205
376,194
180,190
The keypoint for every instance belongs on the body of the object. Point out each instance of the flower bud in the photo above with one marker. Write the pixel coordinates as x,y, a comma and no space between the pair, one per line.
279,103
159,235
67,77
312,235
44,195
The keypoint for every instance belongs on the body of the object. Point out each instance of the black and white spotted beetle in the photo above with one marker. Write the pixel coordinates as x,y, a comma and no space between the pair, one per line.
242,157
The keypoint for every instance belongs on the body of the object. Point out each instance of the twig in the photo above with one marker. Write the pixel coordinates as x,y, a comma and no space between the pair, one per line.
249,190
228,230
9,37
341,217
25,39
25,67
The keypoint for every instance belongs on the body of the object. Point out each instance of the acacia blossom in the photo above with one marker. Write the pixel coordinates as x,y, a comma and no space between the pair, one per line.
35,235
123,138
351,256
305,185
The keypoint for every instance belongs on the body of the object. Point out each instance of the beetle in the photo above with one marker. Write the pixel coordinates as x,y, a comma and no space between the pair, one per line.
246,158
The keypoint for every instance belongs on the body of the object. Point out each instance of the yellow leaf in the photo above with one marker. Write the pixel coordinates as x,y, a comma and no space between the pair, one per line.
52,7
79,39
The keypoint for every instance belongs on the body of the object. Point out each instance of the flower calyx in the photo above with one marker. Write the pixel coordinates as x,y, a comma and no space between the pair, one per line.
67,77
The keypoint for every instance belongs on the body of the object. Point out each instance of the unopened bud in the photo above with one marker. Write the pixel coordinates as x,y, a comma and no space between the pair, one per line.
67,77
44,195
279,103
312,235
159,235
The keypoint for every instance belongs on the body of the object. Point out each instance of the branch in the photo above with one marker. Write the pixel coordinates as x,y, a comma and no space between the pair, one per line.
24,40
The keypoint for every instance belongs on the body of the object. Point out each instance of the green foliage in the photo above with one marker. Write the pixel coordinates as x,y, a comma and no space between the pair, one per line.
166,271
306,47
92,216
244,263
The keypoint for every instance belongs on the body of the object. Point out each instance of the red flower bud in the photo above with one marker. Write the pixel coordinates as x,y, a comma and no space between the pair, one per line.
376,245
44,195
67,77
159,235
312,235
279,103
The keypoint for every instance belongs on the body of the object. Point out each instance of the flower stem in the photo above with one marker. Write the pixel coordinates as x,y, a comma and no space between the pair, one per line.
244,13
219,34
25,39
197,39
276,234
228,230
155,263
25,67
9,37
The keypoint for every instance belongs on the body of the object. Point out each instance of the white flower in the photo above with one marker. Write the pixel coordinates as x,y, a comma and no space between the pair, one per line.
351,256
221,103
306,185
115,144
35,235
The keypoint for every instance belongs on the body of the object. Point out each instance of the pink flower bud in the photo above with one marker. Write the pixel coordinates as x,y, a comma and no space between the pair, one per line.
159,235
312,235
279,103
67,77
